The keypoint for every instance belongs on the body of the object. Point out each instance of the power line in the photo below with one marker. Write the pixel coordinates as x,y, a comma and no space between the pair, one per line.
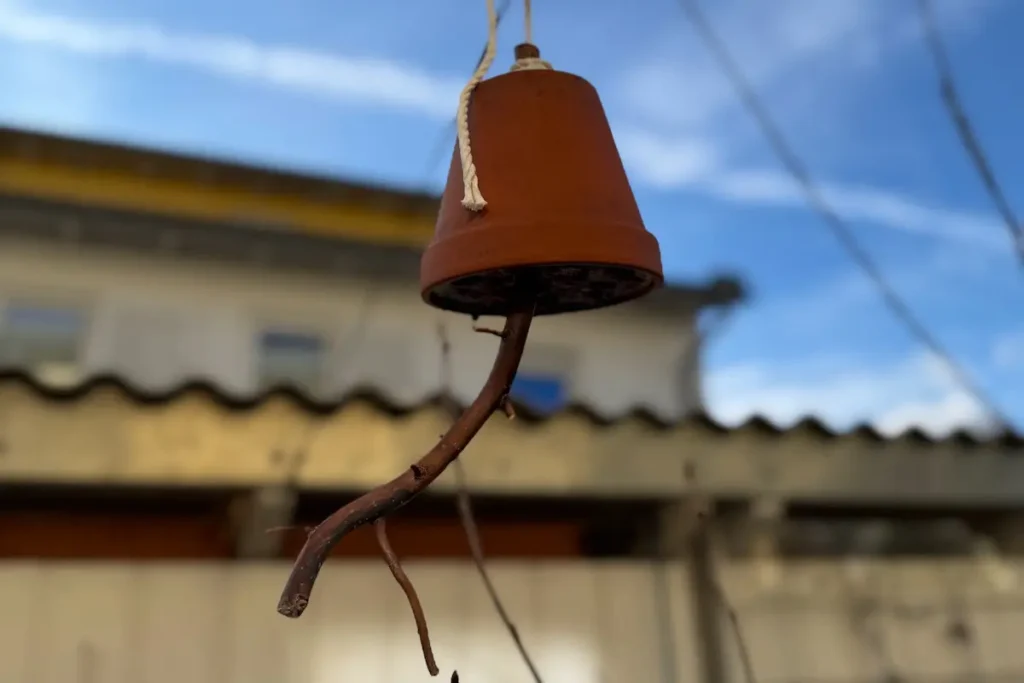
832,220
951,99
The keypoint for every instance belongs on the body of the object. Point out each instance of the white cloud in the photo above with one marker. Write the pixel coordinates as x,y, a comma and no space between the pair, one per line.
695,164
696,126
361,81
863,204
774,42
843,391
676,82
937,416
665,162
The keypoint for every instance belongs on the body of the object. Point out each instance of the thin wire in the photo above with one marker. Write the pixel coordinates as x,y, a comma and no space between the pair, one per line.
951,99
443,143
837,225
465,507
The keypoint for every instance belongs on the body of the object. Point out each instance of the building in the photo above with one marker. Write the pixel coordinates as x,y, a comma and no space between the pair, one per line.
196,353
126,274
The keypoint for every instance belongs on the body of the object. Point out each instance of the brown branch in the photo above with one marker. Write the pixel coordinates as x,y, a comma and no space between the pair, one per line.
468,520
388,497
510,410
410,594
488,330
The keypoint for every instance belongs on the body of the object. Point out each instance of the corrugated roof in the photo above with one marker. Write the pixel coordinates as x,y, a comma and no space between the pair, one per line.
390,405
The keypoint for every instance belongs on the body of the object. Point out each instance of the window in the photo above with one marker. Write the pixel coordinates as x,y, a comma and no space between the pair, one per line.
290,357
542,392
542,382
43,340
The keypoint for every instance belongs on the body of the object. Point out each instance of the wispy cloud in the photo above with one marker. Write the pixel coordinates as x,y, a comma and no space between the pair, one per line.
916,391
697,164
667,162
797,31
674,82
782,45
689,127
360,81
862,203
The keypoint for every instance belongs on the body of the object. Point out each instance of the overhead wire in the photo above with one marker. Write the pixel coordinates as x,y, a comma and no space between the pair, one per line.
444,138
816,199
965,130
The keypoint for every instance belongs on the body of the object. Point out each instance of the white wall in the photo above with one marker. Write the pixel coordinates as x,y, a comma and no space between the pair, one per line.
847,620
583,622
153,623
159,321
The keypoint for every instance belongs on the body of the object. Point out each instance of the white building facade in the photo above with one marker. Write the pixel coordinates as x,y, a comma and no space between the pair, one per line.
160,304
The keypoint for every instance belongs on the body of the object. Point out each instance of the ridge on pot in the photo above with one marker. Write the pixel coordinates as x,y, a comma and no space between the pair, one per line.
561,224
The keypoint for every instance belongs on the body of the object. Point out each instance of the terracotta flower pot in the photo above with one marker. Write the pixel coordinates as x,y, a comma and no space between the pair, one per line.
561,224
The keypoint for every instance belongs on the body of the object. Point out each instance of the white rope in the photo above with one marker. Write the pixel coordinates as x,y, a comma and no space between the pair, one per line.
530,63
528,21
472,199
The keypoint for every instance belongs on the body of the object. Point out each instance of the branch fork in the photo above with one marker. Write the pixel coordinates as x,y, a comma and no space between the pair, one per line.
374,506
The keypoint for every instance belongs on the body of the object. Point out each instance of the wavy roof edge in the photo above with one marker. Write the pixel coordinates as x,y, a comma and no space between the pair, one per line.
390,405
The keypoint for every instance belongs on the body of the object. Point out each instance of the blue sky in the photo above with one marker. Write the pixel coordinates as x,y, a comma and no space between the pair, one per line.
365,89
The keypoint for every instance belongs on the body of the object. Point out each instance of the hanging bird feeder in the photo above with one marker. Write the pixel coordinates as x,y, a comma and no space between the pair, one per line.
559,231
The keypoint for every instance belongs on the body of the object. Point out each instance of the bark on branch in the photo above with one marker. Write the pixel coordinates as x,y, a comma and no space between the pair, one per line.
391,557
388,497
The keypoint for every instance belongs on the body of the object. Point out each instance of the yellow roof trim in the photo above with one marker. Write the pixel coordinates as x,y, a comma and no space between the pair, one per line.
136,180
